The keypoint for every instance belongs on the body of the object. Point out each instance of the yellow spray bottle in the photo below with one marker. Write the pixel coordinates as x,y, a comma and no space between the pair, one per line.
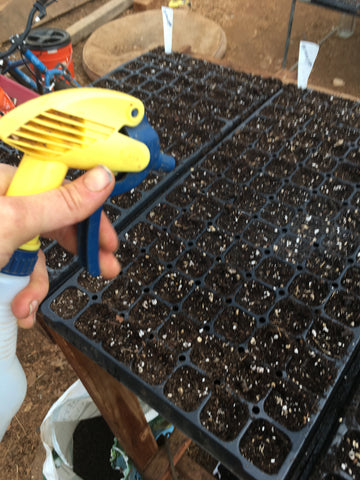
76,128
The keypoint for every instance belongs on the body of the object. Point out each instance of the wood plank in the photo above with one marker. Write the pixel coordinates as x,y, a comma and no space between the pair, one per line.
84,27
159,467
118,405
14,14
188,469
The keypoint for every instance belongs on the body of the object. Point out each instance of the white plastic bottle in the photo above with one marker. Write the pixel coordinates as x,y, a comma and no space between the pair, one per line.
12,376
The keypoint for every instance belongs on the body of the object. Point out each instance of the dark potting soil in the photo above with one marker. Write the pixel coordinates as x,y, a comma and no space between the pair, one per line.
92,442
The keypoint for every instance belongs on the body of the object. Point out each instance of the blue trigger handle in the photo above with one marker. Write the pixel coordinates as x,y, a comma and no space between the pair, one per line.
88,230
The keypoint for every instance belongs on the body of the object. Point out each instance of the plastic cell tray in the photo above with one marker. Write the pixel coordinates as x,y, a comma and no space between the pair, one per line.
190,105
339,459
236,314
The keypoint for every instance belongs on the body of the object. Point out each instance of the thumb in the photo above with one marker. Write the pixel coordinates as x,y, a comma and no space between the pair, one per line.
26,217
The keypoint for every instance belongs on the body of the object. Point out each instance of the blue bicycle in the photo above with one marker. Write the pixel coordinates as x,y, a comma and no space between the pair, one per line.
29,70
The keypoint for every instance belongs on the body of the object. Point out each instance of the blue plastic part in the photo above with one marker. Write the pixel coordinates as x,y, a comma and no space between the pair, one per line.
88,230
21,263
88,243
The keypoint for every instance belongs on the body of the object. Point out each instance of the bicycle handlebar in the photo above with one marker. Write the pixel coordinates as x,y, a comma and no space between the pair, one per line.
18,40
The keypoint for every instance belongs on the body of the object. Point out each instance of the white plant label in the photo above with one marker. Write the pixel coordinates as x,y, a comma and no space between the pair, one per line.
307,55
168,16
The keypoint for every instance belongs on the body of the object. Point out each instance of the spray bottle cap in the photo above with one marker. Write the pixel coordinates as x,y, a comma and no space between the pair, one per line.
21,263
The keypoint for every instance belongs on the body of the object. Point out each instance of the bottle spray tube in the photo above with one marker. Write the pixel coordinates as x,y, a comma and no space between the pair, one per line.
12,376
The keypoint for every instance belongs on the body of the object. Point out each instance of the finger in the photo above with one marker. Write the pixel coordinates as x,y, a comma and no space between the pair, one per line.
109,265
25,217
67,236
25,304
7,173
108,238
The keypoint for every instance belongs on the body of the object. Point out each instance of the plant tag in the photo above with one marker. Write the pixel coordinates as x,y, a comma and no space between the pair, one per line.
307,55
168,15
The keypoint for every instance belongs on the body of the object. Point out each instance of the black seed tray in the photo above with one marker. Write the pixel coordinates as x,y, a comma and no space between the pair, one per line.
236,314
191,104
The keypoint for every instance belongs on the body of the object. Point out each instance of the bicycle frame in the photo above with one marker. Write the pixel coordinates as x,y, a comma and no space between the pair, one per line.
49,75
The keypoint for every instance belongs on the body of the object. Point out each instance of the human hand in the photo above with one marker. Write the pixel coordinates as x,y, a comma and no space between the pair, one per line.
53,214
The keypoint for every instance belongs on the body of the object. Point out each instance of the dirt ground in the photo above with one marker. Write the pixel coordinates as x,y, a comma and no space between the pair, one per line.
256,33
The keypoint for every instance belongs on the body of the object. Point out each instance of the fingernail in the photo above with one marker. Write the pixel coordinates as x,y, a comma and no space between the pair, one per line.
34,305
98,178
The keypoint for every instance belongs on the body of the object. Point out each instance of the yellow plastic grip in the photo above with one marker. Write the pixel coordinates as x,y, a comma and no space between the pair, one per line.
48,175
74,128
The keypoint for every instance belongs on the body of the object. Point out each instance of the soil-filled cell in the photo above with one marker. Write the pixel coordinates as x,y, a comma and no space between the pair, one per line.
121,293
329,337
224,415
141,235
213,356
69,303
188,226
310,370
223,189
274,272
126,253
261,234
349,219
214,241
206,206
336,189
172,287
203,304
293,195
351,280
325,264
277,214
290,405
234,324
162,214
57,257
187,388
178,332
148,313
271,345
266,184
120,335
154,363
167,247
344,307
322,205
244,255
255,297
250,378
309,289
194,262
291,315
265,446
223,278
92,284
97,322
249,200
232,219
145,269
